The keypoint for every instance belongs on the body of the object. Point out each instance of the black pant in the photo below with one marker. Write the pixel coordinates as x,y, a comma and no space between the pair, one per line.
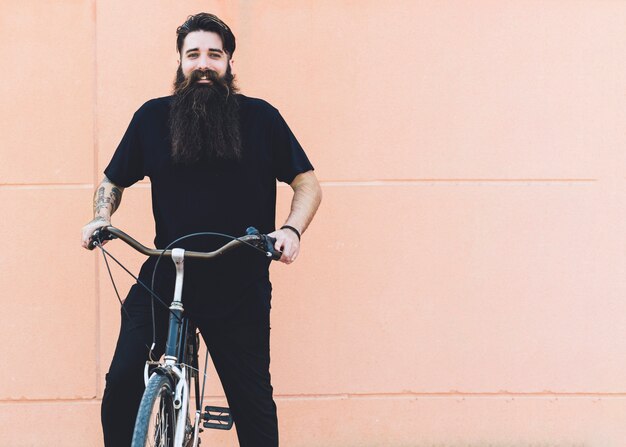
239,347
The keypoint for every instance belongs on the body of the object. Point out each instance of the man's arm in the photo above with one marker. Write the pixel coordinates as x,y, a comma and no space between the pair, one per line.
106,200
307,196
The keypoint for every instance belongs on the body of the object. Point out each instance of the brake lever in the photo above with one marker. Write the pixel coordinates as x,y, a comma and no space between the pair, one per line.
99,235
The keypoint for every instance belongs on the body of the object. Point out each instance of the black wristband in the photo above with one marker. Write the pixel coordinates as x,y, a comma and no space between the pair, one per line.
289,227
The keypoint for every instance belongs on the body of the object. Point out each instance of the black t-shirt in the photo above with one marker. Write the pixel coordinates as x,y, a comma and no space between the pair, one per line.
218,196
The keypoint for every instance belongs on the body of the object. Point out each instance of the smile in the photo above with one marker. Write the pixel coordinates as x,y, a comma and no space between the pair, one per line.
204,79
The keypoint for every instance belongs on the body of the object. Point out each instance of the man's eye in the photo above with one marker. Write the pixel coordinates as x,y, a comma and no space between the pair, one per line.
216,55
193,55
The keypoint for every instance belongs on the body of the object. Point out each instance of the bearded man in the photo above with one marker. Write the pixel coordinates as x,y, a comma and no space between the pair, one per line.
213,157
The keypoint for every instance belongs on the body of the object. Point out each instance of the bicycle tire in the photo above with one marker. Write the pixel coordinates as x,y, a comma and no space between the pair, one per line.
156,419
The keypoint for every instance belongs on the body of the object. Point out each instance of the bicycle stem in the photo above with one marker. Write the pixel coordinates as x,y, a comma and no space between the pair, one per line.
176,308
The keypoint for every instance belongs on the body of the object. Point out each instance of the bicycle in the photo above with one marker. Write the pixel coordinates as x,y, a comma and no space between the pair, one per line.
163,417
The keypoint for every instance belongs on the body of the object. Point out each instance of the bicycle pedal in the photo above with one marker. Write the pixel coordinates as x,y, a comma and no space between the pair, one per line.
217,417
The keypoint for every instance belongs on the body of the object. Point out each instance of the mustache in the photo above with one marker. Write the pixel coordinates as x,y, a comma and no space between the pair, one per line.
191,82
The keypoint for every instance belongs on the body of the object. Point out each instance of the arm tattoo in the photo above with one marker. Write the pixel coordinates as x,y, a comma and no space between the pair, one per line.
116,198
98,199
104,201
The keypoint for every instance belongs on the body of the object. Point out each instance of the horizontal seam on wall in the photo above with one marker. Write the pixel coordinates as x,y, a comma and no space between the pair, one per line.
371,396
446,181
40,186
36,186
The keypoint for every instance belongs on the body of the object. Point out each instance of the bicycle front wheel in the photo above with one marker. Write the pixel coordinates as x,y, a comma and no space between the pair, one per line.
156,421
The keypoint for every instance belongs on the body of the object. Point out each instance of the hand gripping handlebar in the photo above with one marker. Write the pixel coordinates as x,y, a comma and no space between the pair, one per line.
262,242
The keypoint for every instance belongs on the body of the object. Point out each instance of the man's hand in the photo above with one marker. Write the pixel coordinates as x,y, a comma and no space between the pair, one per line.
288,243
92,226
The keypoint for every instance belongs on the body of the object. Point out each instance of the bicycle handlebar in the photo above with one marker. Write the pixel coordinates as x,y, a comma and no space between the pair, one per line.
253,237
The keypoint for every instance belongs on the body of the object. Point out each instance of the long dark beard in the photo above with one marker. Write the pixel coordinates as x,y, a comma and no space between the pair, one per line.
204,119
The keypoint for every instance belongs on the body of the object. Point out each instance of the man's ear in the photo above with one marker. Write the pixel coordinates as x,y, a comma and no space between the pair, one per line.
231,62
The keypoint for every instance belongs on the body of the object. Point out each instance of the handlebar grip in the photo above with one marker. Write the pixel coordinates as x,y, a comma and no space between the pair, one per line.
269,243
99,235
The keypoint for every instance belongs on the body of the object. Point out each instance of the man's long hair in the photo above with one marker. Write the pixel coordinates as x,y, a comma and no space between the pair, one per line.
204,118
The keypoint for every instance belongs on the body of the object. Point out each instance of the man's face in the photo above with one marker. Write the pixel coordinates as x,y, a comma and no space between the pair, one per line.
202,50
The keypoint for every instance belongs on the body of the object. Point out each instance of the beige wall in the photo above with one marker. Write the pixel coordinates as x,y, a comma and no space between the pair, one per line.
464,280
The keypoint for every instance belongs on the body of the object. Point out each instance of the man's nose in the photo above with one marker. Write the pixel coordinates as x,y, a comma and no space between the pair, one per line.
203,63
